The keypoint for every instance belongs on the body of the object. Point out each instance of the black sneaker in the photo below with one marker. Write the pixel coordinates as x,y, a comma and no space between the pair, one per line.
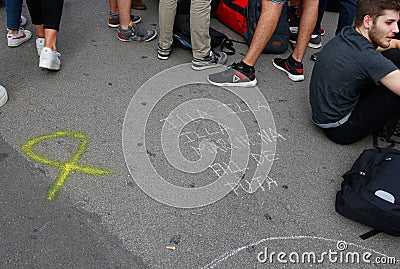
234,76
315,42
294,72
212,60
163,54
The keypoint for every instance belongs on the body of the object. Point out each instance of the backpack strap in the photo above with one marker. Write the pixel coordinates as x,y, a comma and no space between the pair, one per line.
369,234
375,140
227,46
227,43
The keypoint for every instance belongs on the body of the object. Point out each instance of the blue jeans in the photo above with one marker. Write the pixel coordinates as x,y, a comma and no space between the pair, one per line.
13,10
347,12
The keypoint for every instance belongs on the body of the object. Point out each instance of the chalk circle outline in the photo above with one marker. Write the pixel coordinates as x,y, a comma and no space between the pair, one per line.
134,131
222,258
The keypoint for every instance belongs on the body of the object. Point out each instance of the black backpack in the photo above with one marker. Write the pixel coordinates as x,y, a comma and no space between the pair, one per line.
181,34
370,191
279,41
181,31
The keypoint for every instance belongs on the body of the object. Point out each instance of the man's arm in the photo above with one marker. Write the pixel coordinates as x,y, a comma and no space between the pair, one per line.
394,44
392,81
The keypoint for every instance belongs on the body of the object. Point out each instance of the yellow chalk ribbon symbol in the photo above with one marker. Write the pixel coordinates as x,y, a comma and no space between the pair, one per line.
65,167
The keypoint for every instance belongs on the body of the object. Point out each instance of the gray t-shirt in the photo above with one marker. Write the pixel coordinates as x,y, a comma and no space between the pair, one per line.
346,66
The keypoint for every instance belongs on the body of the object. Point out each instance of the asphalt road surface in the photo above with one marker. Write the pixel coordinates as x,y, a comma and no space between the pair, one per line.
133,162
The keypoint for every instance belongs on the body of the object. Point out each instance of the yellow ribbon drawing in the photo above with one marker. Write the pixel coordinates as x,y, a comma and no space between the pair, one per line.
65,168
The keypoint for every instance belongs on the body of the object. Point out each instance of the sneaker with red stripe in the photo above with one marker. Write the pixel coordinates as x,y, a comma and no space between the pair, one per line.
14,40
294,72
235,75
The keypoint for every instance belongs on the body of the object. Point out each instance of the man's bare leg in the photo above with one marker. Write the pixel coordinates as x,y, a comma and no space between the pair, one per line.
270,13
308,20
124,11
243,73
113,6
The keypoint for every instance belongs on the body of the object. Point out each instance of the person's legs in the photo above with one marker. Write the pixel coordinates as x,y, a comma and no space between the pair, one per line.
307,24
167,12
347,12
113,6
346,17
269,17
13,10
203,56
124,12
199,27
46,16
52,11
270,13
113,17
35,10
292,65
243,74
321,11
127,31
369,116
15,34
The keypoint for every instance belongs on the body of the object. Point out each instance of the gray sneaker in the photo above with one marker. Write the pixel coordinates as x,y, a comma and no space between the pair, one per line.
315,42
212,60
234,76
134,33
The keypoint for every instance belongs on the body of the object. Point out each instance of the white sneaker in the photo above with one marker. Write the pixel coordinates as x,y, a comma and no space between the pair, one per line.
49,59
39,44
14,40
22,21
3,96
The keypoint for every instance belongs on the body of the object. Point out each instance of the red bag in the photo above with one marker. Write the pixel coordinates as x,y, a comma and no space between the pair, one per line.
232,13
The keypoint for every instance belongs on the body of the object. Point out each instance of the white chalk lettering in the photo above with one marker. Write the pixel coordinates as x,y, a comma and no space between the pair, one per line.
264,156
275,135
167,120
218,169
203,114
186,135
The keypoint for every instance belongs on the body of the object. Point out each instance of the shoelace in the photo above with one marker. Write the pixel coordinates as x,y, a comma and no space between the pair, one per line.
138,31
236,66
215,56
